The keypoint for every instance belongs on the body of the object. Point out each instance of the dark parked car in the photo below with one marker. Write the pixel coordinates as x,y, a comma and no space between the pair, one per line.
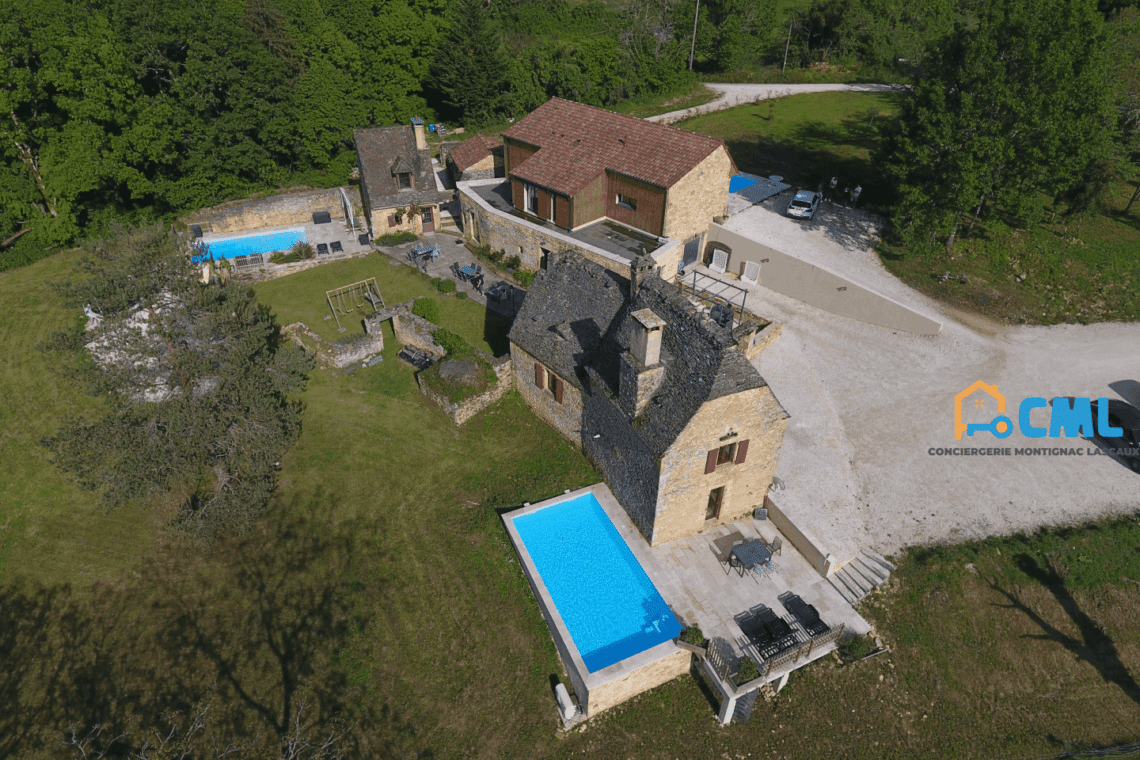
1127,418
804,204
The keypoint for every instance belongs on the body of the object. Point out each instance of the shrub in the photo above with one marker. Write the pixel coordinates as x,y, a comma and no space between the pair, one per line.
692,635
446,286
496,256
512,262
452,343
397,238
461,296
747,671
428,308
852,648
303,249
526,279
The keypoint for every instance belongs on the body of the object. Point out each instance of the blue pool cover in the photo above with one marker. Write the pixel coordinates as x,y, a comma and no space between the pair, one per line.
756,188
228,248
611,608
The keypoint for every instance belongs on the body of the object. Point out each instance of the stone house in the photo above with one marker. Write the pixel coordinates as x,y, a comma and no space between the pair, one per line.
396,174
661,398
478,157
572,164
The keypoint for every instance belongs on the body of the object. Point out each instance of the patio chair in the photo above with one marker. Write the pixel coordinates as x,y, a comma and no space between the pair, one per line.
336,247
322,249
751,273
363,239
776,545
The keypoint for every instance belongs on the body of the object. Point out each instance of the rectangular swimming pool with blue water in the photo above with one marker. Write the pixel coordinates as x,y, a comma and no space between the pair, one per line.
611,608
231,247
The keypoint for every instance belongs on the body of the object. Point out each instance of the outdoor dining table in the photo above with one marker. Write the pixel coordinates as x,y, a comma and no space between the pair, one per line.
750,554
467,272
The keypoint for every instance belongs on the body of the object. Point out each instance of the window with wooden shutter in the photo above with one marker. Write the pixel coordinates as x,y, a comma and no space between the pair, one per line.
539,376
558,388
741,451
391,220
710,462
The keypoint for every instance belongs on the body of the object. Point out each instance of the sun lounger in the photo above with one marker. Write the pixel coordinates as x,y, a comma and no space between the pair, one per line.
322,217
336,247
322,249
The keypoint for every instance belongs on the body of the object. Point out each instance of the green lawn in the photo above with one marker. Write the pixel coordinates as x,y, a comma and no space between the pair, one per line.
381,592
805,138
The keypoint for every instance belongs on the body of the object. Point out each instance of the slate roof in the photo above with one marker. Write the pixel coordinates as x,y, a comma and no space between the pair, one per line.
385,151
577,142
470,152
577,320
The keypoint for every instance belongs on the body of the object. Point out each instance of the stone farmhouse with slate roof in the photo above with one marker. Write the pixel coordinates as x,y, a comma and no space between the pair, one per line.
659,397
574,164
478,157
395,173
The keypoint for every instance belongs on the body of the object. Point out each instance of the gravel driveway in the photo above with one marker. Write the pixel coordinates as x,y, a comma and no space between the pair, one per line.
736,94
867,403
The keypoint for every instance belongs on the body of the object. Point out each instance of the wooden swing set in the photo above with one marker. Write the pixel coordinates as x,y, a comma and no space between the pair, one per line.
343,301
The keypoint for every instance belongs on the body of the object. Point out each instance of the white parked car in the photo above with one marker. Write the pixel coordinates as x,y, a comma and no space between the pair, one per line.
804,204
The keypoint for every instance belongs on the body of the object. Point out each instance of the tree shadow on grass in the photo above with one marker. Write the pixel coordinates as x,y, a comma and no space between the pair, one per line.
1092,644
256,626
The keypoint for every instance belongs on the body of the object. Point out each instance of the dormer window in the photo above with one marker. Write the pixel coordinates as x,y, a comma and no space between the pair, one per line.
404,181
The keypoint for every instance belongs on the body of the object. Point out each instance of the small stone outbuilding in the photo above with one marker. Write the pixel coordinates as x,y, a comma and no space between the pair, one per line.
478,157
661,398
396,175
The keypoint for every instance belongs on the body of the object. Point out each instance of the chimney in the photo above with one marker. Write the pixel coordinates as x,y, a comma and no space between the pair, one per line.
639,271
418,128
641,369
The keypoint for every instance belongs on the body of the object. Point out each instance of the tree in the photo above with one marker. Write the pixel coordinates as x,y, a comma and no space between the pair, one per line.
196,380
471,68
1016,107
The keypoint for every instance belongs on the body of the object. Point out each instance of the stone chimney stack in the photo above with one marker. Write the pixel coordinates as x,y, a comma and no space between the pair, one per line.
639,271
641,368
418,128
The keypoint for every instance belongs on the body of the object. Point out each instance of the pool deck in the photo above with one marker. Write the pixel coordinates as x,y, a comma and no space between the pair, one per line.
691,574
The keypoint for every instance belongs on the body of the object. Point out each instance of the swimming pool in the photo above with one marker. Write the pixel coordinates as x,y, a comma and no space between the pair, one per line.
268,242
610,607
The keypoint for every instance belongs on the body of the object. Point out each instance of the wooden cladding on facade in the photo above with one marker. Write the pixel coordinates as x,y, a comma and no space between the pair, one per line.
515,153
590,204
562,211
649,201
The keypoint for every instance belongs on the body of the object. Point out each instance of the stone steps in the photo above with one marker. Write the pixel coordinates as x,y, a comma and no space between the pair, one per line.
861,575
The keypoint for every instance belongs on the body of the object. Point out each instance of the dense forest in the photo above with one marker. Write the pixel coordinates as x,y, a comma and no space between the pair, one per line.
133,110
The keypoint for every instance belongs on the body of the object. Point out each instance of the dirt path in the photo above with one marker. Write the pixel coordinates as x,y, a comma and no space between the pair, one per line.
736,94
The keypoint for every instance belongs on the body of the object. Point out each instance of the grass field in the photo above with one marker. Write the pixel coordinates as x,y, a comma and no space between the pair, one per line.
381,593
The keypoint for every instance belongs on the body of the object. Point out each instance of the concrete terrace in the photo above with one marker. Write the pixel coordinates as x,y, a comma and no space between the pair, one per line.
693,578
609,236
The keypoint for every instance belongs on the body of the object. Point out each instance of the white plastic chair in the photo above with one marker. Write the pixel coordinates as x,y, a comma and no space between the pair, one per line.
751,273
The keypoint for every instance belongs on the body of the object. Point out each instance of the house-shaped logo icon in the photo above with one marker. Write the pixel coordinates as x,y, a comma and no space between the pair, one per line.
1001,426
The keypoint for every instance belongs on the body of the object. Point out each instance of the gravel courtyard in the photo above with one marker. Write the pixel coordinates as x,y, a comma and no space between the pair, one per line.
867,403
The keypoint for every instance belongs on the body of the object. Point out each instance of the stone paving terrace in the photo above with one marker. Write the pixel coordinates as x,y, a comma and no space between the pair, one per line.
693,577
611,237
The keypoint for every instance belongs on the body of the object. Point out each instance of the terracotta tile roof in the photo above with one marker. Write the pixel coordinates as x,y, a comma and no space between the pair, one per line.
577,142
473,150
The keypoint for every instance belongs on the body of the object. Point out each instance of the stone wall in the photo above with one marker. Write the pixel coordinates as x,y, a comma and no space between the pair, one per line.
698,197
275,211
410,329
643,679
526,241
407,223
566,417
338,355
668,259
468,408
753,341
755,416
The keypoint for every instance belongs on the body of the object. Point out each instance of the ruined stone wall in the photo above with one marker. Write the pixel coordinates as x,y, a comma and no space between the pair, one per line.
566,417
412,330
468,408
275,211
754,415
332,354
641,680
698,197
753,344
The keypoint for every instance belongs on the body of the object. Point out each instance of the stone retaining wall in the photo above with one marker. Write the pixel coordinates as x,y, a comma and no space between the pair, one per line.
275,211
337,355
643,679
